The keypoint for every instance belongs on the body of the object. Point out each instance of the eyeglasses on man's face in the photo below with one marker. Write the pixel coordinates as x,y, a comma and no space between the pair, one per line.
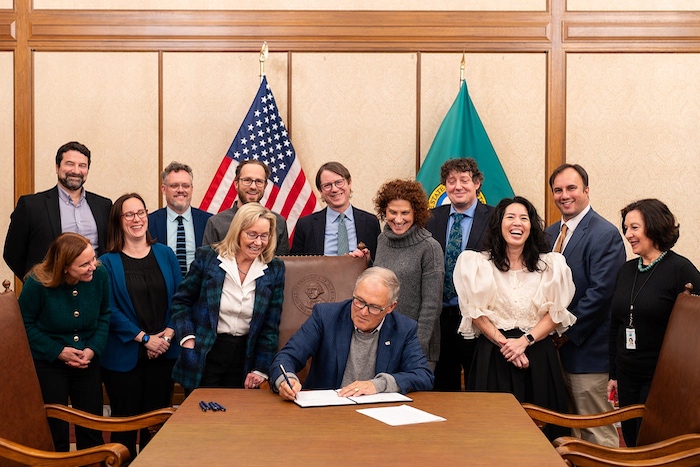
142,213
249,181
252,236
176,186
340,183
373,309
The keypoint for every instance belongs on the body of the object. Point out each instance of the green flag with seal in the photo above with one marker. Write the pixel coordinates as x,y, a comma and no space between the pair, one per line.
462,134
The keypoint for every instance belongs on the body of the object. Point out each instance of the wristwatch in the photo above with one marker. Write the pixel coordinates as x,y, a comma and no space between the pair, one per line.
145,339
530,339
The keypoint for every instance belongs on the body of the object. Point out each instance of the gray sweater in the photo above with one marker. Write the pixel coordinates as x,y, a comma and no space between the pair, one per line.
418,261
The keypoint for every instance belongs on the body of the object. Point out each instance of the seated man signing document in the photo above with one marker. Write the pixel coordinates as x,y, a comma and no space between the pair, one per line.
357,345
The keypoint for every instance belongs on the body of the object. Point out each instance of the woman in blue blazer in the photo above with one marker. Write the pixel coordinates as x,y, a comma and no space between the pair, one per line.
227,310
140,353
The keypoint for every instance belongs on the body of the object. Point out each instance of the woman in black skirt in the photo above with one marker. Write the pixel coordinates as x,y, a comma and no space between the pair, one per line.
513,296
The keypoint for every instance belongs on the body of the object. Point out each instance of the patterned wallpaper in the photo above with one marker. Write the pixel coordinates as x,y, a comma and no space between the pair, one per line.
632,5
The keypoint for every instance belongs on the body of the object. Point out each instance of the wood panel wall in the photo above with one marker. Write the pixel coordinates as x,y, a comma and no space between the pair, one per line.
555,32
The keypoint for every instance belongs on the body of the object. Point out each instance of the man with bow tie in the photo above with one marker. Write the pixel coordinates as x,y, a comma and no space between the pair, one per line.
358,345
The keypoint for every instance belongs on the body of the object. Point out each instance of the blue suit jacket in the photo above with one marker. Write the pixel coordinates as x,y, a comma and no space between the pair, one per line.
196,312
157,225
326,336
439,217
310,232
595,254
122,351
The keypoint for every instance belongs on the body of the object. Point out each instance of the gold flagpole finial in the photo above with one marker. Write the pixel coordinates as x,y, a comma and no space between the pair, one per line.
462,66
263,57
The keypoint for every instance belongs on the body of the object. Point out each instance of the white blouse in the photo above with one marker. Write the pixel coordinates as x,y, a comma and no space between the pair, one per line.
237,298
512,299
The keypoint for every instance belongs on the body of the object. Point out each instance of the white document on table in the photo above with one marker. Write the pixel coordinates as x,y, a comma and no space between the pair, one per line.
401,415
326,397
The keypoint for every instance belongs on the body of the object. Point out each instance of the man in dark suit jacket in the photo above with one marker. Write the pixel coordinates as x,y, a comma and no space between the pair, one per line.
594,251
346,351
39,218
316,234
177,187
462,179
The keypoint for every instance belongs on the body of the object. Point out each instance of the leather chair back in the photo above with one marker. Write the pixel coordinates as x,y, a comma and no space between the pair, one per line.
673,405
22,415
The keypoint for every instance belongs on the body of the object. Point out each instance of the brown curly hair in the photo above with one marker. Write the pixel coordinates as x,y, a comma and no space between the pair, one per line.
408,190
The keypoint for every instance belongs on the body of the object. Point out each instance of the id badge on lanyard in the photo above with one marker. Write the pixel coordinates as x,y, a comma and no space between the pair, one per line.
630,338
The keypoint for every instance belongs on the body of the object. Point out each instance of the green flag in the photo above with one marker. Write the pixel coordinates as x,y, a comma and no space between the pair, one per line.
463,135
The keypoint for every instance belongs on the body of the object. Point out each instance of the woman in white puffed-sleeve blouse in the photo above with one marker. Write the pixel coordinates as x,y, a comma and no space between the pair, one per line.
512,297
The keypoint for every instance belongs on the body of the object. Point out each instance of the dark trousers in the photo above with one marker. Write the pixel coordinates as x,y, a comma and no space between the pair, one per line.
58,382
148,386
631,389
225,363
456,352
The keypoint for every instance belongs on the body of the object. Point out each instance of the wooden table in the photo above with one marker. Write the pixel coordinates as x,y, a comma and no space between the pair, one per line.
260,428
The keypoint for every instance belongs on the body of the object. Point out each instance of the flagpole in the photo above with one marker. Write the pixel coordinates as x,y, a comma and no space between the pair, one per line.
263,57
462,66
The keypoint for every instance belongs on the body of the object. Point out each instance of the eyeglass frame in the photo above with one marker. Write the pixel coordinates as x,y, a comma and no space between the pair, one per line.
369,306
131,215
254,236
340,183
175,186
249,181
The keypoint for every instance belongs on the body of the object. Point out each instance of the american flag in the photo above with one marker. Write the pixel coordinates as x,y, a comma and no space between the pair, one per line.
263,136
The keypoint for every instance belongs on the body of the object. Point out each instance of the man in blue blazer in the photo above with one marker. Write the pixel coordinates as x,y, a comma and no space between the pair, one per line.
358,345
163,224
462,179
317,233
595,252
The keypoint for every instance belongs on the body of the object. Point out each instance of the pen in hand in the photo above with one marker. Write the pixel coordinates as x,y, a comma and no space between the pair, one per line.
286,378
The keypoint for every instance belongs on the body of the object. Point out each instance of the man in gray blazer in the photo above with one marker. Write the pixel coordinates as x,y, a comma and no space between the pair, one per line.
39,218
250,182
462,179
594,251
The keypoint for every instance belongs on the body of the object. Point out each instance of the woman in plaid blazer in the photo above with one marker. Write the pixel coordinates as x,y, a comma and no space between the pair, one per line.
227,310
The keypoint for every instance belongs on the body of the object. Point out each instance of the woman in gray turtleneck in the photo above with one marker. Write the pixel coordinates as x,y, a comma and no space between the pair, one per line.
409,250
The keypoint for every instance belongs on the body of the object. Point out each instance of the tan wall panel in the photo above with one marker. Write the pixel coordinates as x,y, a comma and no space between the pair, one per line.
205,98
7,200
638,137
509,93
6,4
456,5
360,110
633,5
107,101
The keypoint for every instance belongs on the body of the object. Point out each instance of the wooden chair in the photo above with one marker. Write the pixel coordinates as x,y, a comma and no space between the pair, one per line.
670,428
25,438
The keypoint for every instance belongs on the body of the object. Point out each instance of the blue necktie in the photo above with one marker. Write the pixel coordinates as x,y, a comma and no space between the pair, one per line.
452,251
343,247
180,249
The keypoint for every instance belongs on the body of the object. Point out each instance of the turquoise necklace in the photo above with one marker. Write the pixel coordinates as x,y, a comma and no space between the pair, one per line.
643,268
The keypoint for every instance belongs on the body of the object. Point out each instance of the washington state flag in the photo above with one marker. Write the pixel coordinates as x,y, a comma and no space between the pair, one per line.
462,134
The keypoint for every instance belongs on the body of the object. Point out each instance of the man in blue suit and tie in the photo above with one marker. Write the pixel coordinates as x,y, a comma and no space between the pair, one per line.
594,251
358,345
164,223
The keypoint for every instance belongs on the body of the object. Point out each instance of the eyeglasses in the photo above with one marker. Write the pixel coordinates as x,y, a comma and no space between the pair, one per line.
254,236
175,186
249,181
373,309
340,183
142,213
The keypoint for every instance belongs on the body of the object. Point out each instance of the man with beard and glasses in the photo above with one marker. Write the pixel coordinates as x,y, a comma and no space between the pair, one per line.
250,183
39,218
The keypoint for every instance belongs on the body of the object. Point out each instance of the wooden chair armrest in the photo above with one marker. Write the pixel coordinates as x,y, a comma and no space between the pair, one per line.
682,450
112,454
540,414
97,422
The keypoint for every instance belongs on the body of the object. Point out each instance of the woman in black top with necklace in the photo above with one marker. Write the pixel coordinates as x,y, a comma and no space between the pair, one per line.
645,293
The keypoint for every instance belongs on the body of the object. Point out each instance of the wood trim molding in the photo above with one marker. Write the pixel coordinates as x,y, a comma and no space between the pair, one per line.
7,39
635,27
289,30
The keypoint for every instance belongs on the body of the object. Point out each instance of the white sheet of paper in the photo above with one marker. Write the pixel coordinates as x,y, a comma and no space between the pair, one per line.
401,415
381,397
321,398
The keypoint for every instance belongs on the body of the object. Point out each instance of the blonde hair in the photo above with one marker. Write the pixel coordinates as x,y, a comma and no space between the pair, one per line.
246,216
